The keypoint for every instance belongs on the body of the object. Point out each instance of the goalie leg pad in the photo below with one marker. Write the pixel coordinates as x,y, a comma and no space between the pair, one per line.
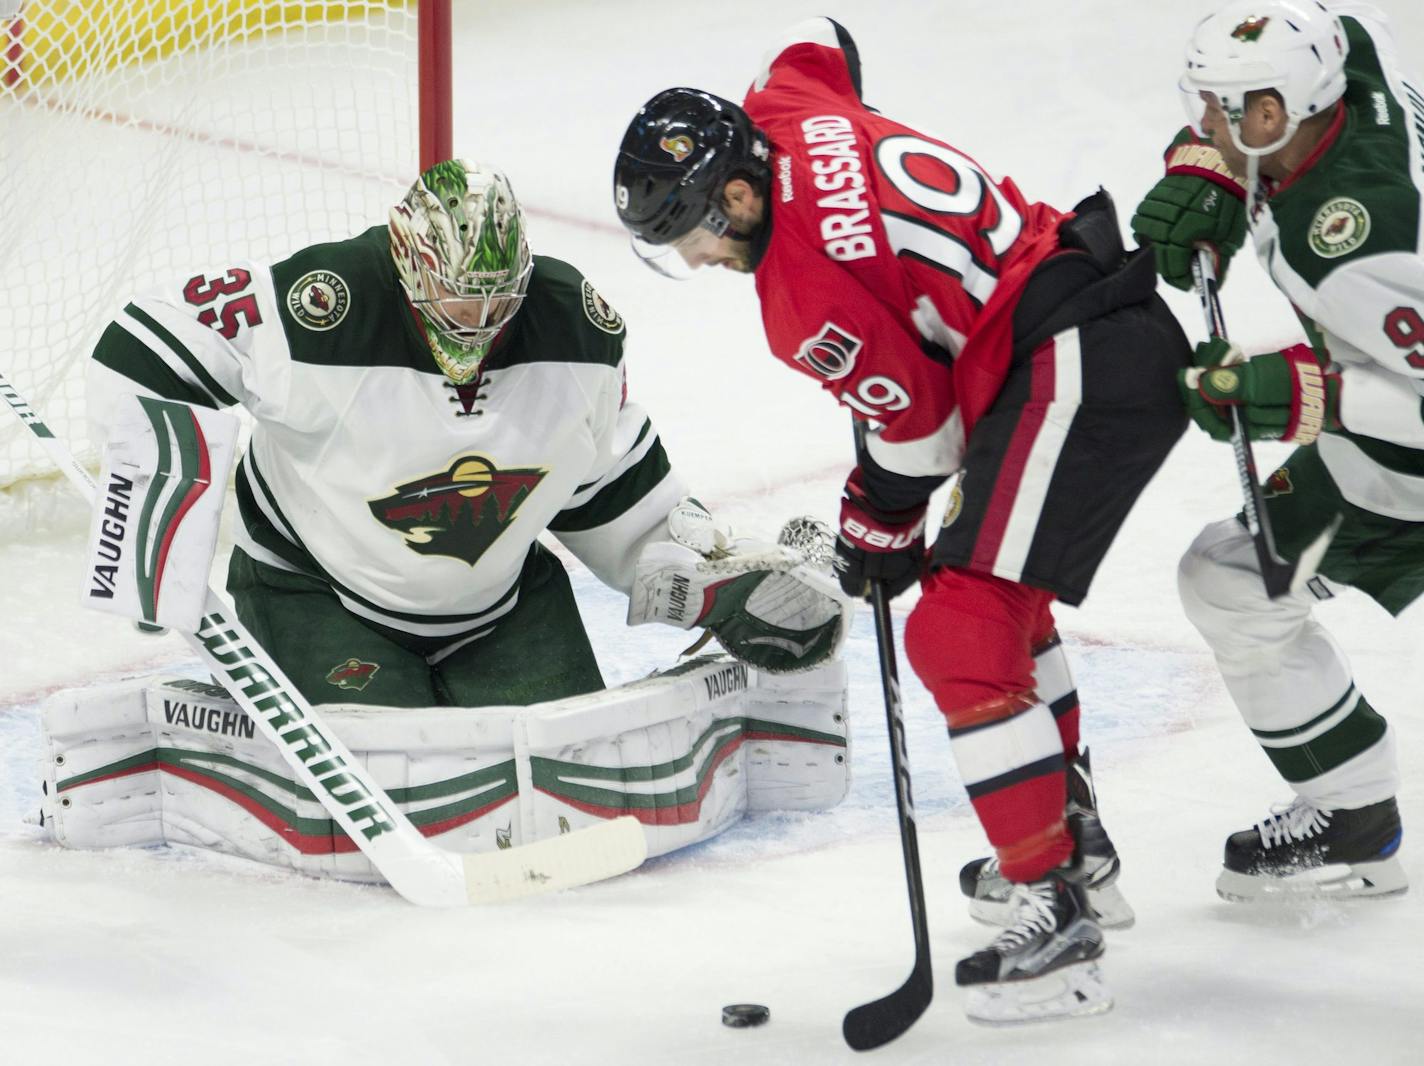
686,752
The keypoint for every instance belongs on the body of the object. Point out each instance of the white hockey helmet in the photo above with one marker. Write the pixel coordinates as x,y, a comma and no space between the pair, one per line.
460,251
1296,47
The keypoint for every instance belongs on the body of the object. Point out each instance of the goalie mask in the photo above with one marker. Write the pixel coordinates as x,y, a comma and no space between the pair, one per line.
1295,47
459,247
678,153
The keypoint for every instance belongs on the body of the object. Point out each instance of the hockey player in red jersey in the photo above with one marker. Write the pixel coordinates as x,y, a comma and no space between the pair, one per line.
981,336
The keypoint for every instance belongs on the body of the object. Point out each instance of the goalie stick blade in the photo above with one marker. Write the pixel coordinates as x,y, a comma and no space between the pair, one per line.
567,861
874,1025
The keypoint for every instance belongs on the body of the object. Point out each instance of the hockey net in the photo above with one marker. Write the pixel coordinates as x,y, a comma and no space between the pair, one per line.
142,139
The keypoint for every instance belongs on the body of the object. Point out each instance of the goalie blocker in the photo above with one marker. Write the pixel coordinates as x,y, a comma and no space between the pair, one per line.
162,481
686,751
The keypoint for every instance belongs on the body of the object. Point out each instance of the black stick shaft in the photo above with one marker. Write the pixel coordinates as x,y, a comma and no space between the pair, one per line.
874,1024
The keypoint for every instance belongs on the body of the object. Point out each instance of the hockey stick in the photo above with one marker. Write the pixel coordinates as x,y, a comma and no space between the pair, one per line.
1280,577
874,1024
417,869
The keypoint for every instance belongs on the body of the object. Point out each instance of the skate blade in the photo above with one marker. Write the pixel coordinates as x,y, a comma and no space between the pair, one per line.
1075,991
1362,880
1108,903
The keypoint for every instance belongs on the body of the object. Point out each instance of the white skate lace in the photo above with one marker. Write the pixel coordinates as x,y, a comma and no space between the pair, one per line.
1298,820
1033,914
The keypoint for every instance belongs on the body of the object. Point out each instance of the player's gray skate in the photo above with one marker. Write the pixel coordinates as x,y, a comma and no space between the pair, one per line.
988,890
1043,964
1304,851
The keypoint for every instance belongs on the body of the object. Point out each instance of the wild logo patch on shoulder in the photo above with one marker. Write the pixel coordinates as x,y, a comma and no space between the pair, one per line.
599,312
319,300
1339,227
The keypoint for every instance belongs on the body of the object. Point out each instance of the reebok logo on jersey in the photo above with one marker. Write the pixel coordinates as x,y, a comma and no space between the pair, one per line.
460,511
319,300
783,178
831,353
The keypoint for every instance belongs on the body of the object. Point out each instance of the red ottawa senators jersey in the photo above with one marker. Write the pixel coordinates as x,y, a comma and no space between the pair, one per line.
894,261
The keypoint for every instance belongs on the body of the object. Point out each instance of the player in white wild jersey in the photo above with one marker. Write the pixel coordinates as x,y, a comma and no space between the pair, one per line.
428,398
1302,116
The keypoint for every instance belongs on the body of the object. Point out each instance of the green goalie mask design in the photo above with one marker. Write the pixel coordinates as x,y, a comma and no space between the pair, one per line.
459,247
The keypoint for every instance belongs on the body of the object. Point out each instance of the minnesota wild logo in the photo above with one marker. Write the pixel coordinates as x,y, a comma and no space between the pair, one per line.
1278,484
352,674
458,512
1339,227
1250,30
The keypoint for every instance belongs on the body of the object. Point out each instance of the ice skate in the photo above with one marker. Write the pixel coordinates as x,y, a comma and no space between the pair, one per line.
1043,965
1304,851
988,890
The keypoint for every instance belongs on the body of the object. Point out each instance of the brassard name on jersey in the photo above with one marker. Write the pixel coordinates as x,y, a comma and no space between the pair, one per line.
839,173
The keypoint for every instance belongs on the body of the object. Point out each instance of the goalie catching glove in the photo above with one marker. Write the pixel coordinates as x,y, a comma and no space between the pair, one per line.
769,605
1284,396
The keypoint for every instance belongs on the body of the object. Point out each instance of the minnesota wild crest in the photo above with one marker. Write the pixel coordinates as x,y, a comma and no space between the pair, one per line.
458,512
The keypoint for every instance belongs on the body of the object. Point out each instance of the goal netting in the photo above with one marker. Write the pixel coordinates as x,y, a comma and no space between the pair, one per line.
141,139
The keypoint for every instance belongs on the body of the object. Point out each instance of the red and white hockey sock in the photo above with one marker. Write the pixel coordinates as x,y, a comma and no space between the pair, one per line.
970,640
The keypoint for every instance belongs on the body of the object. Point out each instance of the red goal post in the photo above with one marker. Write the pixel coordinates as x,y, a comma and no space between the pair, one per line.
143,138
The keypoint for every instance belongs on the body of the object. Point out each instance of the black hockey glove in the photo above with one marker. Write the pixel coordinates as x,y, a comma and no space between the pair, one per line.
878,546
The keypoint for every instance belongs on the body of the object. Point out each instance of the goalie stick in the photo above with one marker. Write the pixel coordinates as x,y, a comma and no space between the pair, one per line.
1280,576
417,869
874,1024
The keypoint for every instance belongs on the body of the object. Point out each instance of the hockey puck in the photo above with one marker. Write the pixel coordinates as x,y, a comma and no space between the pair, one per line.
745,1015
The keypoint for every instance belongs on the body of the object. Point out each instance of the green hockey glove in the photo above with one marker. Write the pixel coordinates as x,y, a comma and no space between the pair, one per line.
1285,395
1198,203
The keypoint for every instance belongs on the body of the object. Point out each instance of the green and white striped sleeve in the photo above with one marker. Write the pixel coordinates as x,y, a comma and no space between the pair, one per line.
197,341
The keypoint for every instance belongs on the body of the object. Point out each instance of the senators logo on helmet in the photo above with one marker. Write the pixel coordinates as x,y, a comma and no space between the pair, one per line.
679,147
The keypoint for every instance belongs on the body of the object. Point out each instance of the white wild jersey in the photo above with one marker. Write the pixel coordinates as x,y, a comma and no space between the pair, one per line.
1343,238
415,499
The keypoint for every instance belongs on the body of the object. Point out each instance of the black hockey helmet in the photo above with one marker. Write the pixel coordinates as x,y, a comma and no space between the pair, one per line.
678,153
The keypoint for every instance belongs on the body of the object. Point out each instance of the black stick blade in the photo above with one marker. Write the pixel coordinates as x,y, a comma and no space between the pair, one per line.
874,1025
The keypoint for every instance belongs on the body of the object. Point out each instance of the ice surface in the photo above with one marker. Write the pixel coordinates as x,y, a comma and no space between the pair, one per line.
164,956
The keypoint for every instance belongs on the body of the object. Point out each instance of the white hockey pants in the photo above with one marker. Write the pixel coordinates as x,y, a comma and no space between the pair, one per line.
1286,674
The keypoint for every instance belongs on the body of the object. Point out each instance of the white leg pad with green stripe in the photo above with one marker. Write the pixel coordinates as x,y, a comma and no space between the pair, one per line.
686,752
